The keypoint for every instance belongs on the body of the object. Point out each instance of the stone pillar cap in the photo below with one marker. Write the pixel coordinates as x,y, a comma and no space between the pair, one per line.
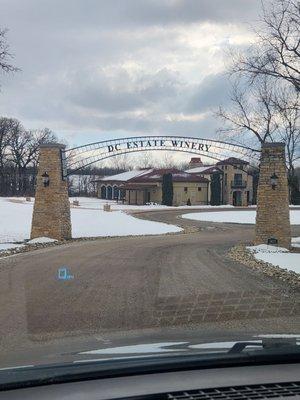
273,144
59,145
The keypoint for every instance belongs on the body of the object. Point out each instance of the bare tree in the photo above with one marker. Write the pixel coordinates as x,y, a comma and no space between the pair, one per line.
120,162
264,113
24,145
5,55
38,137
276,53
167,160
19,155
267,109
252,116
5,128
287,104
146,160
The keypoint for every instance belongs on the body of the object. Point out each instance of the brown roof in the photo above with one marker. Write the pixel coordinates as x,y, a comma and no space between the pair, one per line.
232,161
156,175
138,186
204,170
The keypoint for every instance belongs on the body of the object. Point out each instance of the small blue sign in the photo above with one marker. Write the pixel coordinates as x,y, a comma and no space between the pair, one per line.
64,275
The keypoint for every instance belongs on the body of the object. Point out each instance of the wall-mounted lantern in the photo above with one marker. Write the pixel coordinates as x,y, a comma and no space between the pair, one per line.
274,181
45,179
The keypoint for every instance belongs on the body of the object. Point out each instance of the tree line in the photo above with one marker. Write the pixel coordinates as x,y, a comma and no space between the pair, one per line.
19,159
19,156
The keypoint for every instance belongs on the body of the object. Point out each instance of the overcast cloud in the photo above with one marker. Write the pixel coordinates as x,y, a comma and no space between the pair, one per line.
96,69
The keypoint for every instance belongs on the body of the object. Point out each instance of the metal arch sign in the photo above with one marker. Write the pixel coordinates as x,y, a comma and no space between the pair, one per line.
143,144
82,156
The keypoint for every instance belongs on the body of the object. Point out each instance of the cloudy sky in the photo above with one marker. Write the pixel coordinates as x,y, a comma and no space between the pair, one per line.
97,69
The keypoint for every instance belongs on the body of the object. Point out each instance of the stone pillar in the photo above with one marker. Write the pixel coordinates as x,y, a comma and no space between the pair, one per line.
273,217
51,213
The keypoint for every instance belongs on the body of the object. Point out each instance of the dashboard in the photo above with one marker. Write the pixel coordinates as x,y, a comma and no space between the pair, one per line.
230,383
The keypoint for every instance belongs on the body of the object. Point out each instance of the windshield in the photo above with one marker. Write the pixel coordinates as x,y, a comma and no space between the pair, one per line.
149,181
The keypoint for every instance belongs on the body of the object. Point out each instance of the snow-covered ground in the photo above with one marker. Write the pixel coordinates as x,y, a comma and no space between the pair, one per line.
41,239
16,214
89,223
94,203
237,217
9,246
277,256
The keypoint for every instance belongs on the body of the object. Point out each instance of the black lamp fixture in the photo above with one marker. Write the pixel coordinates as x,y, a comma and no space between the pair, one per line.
45,179
274,181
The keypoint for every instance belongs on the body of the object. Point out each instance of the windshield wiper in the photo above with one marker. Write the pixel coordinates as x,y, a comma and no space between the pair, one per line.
273,352
267,344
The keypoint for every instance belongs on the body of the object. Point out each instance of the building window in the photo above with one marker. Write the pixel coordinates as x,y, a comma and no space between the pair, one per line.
225,176
238,179
225,166
115,193
109,193
103,192
199,189
185,189
235,167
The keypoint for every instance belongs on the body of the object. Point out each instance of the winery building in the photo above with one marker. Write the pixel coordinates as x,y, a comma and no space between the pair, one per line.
146,186
236,180
196,185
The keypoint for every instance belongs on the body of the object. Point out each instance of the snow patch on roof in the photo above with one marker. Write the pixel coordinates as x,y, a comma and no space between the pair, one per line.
199,169
125,176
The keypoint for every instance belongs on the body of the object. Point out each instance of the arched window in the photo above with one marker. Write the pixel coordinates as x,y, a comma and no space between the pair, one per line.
109,193
115,193
122,194
103,192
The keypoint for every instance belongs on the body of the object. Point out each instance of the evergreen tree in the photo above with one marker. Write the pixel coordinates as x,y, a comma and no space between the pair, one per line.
255,175
215,189
294,190
167,190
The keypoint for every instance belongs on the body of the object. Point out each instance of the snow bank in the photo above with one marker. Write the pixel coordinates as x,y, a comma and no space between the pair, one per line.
265,248
89,223
16,217
237,217
277,256
15,220
296,242
9,246
42,239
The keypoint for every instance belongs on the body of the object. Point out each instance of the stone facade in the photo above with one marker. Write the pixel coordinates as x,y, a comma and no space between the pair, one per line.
196,192
237,182
272,217
138,187
236,179
51,213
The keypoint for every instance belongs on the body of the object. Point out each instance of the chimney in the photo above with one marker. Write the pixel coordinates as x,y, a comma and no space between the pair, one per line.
195,162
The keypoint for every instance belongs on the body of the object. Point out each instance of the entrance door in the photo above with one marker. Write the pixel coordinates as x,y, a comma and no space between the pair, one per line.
237,198
193,197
